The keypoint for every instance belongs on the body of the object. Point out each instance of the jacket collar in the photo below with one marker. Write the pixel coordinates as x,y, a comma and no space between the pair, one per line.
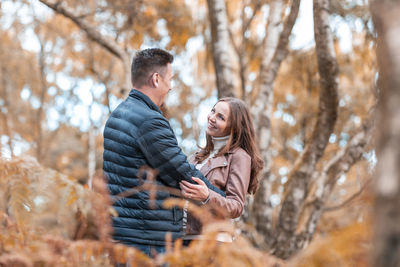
212,163
216,162
144,98
229,152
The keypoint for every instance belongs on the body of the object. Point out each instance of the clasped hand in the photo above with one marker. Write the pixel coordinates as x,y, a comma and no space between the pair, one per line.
199,191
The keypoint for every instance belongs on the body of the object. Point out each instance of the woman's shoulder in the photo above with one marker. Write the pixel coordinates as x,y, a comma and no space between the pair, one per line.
240,153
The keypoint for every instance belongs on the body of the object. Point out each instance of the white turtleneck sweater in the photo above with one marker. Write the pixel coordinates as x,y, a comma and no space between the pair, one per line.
218,142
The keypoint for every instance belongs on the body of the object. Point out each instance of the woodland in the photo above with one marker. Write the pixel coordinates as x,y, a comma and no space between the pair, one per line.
320,77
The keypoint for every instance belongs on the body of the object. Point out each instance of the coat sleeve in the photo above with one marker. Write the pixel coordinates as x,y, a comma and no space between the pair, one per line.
158,143
236,186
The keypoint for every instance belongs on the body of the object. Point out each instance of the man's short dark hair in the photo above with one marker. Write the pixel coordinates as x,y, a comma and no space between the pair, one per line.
148,61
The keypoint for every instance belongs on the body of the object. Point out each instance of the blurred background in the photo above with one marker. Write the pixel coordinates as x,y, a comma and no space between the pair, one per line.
64,67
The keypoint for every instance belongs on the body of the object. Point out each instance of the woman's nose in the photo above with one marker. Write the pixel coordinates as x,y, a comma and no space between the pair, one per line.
211,117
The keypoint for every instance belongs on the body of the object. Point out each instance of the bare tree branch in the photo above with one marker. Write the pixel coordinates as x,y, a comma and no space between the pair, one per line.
246,24
340,164
348,200
232,38
107,43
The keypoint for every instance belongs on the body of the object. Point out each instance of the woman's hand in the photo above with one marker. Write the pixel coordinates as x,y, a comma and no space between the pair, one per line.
197,191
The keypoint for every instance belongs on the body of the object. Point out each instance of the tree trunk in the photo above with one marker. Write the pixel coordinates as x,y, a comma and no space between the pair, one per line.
274,29
5,112
221,48
385,15
39,114
297,188
274,52
241,48
91,154
261,208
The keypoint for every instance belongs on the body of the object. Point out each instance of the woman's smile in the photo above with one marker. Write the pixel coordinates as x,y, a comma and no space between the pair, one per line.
218,118
211,125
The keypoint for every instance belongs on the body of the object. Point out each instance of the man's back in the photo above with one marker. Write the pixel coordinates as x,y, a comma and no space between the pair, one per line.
124,138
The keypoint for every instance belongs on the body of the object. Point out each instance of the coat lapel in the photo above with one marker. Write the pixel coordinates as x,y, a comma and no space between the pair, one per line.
213,163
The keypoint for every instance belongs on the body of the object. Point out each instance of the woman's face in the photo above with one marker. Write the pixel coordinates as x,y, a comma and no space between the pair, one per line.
218,120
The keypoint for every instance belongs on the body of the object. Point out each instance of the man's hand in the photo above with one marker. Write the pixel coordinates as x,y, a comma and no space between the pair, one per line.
199,191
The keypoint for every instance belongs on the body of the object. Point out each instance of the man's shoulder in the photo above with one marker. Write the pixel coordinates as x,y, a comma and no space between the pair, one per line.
135,112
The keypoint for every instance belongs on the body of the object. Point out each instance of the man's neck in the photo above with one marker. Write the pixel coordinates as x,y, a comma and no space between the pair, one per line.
150,92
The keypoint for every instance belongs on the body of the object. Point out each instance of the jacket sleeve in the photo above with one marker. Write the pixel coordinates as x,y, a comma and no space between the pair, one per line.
158,143
236,186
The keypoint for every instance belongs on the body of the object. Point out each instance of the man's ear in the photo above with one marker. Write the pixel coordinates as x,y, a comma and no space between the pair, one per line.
154,79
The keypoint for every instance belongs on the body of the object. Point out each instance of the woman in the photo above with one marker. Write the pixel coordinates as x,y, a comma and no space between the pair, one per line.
230,160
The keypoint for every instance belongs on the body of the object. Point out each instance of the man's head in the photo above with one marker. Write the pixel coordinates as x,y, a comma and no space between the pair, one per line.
151,69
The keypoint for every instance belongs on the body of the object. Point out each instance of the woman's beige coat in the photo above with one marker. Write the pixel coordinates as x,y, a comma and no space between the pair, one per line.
231,174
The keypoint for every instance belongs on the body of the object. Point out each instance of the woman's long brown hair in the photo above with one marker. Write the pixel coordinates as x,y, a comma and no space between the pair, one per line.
242,135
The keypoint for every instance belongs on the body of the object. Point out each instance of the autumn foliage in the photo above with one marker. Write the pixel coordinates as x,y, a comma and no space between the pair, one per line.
48,219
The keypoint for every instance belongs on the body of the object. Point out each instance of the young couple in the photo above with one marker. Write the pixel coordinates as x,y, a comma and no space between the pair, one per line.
137,134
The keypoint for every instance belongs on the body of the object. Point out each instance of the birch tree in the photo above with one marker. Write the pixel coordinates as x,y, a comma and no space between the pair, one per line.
275,50
300,175
221,48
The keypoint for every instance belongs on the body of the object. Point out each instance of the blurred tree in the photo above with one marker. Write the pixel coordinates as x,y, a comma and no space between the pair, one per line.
387,176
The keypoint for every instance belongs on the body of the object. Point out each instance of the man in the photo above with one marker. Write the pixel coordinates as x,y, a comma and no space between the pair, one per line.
137,135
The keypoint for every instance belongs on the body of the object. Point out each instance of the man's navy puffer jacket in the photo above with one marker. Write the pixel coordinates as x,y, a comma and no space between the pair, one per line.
137,135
